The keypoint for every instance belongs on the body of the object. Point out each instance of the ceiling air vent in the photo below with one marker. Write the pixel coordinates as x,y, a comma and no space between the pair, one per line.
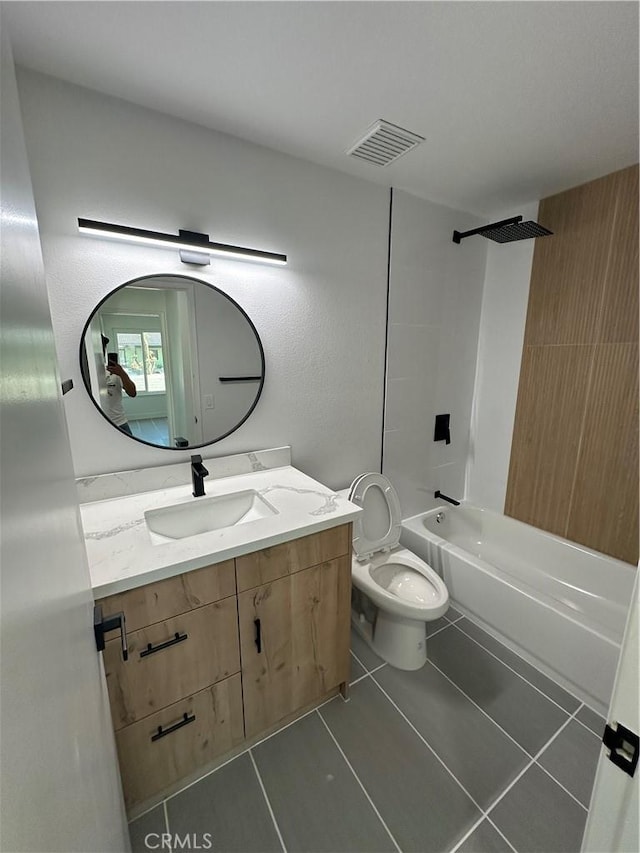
383,143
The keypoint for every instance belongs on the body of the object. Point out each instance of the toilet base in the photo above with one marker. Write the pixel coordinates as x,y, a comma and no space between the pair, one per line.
400,642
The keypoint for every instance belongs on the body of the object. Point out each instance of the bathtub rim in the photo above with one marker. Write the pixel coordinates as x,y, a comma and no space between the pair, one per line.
545,534
537,596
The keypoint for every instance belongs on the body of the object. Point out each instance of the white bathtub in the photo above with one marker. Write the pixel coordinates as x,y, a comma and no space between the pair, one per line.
561,605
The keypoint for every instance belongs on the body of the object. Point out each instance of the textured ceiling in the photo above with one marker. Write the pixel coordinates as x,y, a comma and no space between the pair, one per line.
517,100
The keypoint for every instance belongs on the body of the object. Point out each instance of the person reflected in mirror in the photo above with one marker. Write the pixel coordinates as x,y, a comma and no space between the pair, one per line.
117,381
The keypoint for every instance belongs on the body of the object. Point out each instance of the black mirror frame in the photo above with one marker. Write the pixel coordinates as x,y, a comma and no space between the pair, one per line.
84,370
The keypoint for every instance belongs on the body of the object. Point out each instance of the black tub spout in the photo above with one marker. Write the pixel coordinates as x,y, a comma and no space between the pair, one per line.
439,494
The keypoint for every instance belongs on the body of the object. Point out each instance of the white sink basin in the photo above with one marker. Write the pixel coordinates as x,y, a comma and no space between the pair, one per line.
202,515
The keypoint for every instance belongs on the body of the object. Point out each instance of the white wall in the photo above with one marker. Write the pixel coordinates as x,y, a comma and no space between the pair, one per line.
434,314
321,318
504,313
60,788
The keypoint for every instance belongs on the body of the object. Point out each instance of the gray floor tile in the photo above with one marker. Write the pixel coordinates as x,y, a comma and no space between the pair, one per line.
318,803
357,671
403,778
437,625
485,839
522,711
228,804
478,754
152,823
533,675
594,721
537,815
452,614
365,654
572,759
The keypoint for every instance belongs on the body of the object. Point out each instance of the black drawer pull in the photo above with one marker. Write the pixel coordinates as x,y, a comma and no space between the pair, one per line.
151,649
186,719
256,622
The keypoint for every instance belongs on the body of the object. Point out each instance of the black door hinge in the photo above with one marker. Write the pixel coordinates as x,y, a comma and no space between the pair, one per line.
623,746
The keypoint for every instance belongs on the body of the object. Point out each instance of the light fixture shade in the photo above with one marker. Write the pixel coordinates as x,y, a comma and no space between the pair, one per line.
187,240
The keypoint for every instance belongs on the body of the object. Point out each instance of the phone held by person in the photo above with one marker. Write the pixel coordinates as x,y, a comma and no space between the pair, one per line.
112,358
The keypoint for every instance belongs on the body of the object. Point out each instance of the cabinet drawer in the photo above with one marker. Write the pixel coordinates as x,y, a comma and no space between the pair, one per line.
164,599
204,651
213,725
272,563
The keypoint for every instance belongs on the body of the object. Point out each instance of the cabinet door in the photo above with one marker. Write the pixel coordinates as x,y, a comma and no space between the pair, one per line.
294,641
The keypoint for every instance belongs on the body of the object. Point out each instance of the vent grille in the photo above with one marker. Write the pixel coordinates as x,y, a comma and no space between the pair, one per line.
383,143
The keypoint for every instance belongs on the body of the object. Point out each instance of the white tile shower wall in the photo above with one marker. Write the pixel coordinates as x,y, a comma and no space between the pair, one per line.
321,318
434,313
502,323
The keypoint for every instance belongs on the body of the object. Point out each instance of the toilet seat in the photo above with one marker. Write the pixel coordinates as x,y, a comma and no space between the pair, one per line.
376,579
378,527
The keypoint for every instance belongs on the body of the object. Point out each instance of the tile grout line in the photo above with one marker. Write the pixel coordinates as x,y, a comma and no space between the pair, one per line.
515,672
145,812
524,769
588,728
243,752
439,631
566,790
427,744
362,677
519,656
533,758
475,826
468,833
486,713
266,799
357,778
166,820
357,660
500,833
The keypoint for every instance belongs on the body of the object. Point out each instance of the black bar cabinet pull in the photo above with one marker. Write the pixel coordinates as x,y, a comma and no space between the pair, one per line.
239,378
256,622
179,638
186,719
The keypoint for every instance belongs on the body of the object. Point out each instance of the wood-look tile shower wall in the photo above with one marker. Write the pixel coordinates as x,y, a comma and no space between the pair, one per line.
574,456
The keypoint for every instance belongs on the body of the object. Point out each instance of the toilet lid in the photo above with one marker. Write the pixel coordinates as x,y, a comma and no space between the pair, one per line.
378,527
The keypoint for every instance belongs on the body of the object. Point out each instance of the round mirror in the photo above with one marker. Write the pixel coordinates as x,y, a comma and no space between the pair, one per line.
172,361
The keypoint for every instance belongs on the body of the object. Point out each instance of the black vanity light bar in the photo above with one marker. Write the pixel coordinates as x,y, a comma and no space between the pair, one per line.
190,241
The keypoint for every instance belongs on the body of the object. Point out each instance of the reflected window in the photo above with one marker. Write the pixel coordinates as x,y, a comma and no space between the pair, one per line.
141,355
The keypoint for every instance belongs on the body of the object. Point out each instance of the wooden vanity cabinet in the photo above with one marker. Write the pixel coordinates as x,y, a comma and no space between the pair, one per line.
209,668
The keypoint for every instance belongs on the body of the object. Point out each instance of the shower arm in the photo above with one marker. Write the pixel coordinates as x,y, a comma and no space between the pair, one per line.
460,235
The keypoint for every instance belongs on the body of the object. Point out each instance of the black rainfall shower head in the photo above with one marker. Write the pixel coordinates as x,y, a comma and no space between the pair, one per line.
506,231
518,231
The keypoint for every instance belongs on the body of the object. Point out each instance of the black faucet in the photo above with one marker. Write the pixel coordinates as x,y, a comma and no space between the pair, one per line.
439,494
198,473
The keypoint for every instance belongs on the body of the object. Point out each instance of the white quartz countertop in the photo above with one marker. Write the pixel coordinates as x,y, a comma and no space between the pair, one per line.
123,556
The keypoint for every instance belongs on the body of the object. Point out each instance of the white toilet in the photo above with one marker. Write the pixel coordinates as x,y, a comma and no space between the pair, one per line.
406,592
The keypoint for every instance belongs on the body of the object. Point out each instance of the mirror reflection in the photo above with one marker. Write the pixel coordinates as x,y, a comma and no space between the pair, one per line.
172,361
